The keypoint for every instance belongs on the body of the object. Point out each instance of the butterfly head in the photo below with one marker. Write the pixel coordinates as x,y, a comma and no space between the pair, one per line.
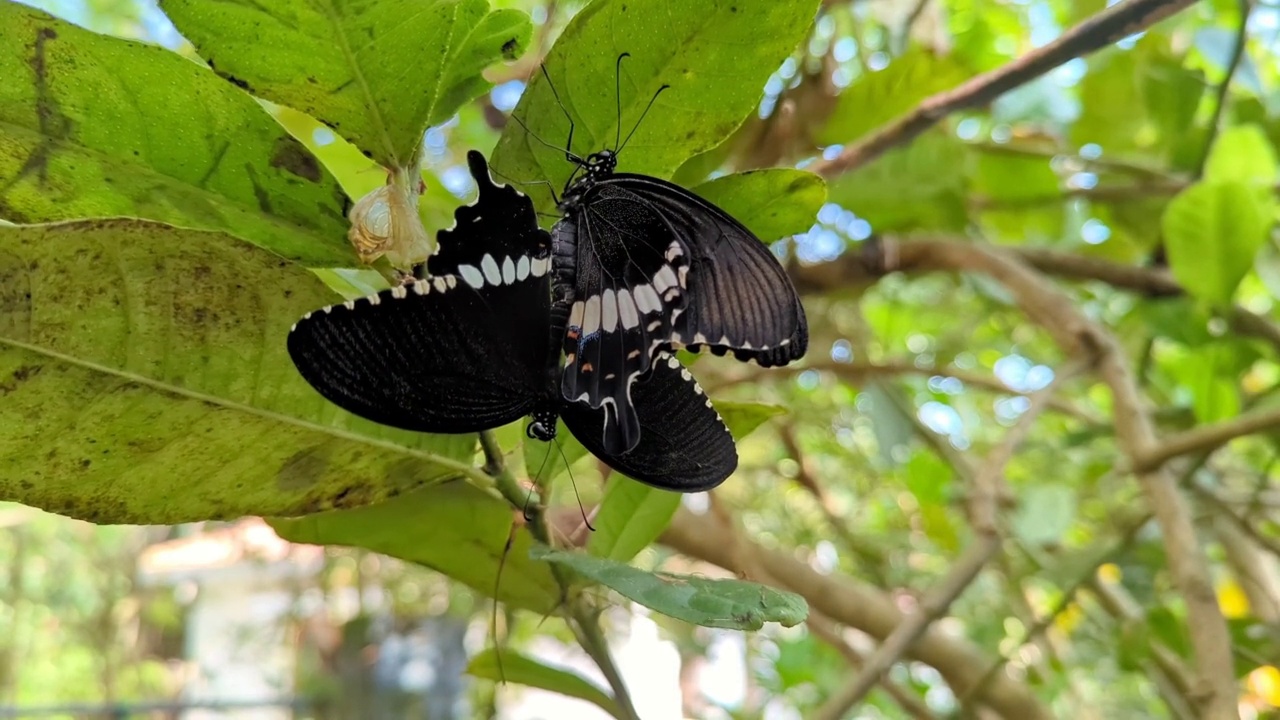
543,425
600,164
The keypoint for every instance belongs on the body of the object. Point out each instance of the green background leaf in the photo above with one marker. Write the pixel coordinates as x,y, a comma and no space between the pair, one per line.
453,528
695,48
156,388
771,203
93,126
1213,231
376,71
522,669
731,604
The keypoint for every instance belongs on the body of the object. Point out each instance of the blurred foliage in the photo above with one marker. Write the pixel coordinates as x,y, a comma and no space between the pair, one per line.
1138,159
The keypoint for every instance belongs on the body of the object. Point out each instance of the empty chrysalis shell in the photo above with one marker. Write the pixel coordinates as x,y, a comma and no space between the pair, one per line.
386,222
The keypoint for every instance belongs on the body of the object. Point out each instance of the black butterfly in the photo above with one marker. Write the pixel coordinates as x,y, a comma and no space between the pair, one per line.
475,346
653,266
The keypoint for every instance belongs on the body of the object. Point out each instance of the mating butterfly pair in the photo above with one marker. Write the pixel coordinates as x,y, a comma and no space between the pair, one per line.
639,267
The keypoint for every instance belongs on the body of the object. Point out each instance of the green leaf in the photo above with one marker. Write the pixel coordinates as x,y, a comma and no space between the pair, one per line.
1242,154
1212,373
631,516
145,380
1045,513
530,672
878,98
1212,232
376,71
730,604
928,478
772,203
712,54
1110,118
1014,177
744,417
92,126
453,528
918,187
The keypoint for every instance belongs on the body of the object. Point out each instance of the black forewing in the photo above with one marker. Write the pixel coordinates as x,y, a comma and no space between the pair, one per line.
739,295
464,350
684,446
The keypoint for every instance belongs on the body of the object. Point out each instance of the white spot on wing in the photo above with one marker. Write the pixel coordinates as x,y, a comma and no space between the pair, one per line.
627,310
440,283
522,268
508,271
399,292
674,251
591,316
375,299
472,276
647,299
491,271
538,267
666,278
350,304
699,338
655,325
421,287
608,311
451,281
575,315
672,362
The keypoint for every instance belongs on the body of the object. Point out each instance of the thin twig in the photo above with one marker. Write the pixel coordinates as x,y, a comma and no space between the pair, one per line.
1098,31
989,488
1076,334
1206,438
1224,88
825,630
584,623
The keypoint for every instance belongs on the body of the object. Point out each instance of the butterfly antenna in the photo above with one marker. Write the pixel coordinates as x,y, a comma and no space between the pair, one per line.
572,158
637,125
572,482
550,188
537,482
617,98
568,144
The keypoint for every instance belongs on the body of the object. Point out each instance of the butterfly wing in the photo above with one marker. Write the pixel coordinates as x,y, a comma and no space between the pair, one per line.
464,350
739,295
684,446
628,274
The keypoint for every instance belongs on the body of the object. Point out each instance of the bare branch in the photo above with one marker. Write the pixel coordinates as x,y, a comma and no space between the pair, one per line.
825,630
1100,30
1206,438
1077,335
989,488
1220,98
856,604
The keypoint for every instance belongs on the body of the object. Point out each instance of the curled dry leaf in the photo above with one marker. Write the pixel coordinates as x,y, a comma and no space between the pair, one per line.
386,222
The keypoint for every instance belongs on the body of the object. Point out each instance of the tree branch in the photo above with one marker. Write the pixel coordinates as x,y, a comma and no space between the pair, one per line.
1206,438
1100,30
989,488
1077,335
855,604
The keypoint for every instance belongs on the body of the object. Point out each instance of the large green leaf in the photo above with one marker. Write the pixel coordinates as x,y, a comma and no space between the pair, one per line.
93,126
712,54
454,528
731,604
1212,231
917,187
1242,154
522,669
772,203
377,71
631,516
877,98
145,380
